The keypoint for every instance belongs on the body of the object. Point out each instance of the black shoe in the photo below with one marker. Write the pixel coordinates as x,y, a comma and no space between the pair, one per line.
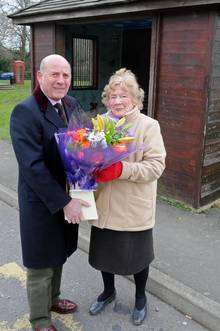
138,316
97,306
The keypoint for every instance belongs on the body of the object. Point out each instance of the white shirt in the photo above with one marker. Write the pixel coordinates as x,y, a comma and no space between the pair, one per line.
53,102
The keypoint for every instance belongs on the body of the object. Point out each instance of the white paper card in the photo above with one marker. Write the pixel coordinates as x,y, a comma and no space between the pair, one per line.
89,213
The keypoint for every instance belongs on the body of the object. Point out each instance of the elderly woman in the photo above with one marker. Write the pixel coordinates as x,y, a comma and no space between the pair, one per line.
121,239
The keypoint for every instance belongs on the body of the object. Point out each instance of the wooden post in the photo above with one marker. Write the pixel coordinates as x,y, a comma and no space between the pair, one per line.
155,40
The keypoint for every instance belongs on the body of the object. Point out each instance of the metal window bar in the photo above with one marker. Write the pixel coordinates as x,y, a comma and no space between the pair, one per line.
83,62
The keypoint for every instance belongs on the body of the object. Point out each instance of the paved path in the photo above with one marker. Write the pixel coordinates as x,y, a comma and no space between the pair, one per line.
81,283
185,272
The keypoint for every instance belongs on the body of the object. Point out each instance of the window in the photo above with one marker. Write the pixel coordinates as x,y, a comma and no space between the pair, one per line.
84,63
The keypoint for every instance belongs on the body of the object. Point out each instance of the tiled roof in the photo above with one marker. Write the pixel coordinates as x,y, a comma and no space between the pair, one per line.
50,6
50,10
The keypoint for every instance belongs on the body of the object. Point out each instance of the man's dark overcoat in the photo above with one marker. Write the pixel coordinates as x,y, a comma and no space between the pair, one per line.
47,239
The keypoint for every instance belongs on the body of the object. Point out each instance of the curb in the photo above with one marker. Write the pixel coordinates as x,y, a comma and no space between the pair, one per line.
188,301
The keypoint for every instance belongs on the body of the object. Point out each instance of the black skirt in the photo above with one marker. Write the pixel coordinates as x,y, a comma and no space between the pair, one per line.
120,252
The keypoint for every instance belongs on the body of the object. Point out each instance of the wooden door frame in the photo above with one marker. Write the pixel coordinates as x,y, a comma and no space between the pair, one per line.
155,40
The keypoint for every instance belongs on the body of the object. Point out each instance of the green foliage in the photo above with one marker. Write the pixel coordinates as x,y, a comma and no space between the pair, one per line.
7,56
8,100
114,131
5,64
111,135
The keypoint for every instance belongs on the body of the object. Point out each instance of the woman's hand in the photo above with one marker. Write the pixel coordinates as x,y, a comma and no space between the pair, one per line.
110,173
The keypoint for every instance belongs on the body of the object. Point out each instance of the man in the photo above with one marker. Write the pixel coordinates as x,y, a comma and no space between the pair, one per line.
47,239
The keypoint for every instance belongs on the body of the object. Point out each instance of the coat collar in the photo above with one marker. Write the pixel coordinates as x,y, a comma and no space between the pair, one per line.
47,108
130,116
41,99
133,114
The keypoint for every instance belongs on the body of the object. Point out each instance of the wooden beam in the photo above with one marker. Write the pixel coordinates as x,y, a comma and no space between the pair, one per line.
43,44
153,65
32,52
113,10
60,40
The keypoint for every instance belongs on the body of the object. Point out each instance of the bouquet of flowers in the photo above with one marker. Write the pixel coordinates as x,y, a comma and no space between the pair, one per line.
91,145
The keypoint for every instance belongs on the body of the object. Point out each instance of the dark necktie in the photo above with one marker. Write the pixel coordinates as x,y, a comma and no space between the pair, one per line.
61,113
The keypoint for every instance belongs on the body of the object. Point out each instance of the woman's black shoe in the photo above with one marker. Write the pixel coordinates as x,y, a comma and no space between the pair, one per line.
138,316
97,306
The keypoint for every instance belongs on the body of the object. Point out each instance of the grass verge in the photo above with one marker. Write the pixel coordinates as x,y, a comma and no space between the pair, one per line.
8,100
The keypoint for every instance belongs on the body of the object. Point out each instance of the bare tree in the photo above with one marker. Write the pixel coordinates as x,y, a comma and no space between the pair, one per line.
15,37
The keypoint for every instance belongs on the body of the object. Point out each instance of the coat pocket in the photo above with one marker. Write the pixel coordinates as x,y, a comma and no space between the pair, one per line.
139,211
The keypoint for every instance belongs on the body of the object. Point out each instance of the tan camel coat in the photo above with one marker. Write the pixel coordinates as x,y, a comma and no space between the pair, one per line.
128,203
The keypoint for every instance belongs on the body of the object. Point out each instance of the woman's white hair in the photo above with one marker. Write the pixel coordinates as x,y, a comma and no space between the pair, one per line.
128,81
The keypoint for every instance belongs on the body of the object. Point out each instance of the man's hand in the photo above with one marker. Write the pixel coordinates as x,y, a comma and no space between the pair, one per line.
73,210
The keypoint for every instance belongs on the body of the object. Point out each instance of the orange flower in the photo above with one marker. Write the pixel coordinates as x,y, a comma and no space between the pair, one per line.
82,133
85,144
120,148
80,137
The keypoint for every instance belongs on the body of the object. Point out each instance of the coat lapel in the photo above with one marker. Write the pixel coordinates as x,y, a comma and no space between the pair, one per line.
47,109
52,116
68,108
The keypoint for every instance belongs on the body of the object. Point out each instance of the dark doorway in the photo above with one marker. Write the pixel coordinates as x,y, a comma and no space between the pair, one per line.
136,56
